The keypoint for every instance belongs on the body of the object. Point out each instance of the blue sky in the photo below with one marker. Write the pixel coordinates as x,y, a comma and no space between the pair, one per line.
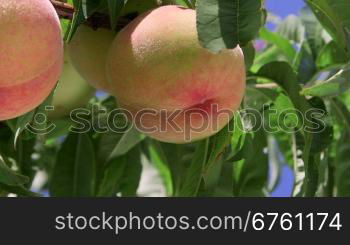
283,8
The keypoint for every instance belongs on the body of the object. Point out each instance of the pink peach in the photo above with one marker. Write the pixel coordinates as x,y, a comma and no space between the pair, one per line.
174,89
31,54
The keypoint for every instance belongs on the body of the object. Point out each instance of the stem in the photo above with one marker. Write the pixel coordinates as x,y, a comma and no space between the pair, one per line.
64,10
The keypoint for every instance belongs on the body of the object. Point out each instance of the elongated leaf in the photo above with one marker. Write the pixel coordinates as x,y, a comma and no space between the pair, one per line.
226,23
254,172
336,85
132,173
74,171
304,63
330,55
18,190
335,17
10,177
217,145
282,43
115,7
160,161
131,138
315,35
112,177
342,168
78,18
283,74
194,174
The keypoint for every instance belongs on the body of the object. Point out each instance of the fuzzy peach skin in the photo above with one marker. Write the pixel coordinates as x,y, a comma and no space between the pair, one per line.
72,91
175,90
88,51
31,54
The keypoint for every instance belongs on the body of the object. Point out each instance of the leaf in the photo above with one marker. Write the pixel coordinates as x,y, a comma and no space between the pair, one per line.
112,177
159,159
282,43
315,35
304,63
30,122
283,74
335,18
115,7
79,17
194,174
223,24
132,173
254,172
249,55
336,85
74,170
275,163
10,177
217,145
130,138
342,168
18,190
331,55
91,6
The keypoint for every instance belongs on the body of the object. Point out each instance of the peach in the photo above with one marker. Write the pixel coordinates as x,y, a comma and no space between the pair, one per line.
31,54
171,88
88,51
72,91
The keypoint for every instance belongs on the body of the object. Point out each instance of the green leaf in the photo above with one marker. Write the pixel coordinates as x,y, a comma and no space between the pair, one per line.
18,190
335,17
132,173
115,7
10,177
223,24
275,163
336,85
74,170
217,145
342,168
79,17
315,35
249,55
342,113
282,43
112,176
29,122
331,55
193,178
304,63
283,74
130,138
160,161
254,172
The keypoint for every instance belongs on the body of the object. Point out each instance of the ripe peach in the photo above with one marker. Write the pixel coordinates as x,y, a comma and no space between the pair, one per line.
175,90
72,91
31,55
88,51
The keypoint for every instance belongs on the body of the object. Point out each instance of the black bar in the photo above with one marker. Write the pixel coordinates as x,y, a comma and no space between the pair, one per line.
35,220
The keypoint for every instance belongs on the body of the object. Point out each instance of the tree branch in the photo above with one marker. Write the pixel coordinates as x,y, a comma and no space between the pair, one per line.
97,20
64,10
